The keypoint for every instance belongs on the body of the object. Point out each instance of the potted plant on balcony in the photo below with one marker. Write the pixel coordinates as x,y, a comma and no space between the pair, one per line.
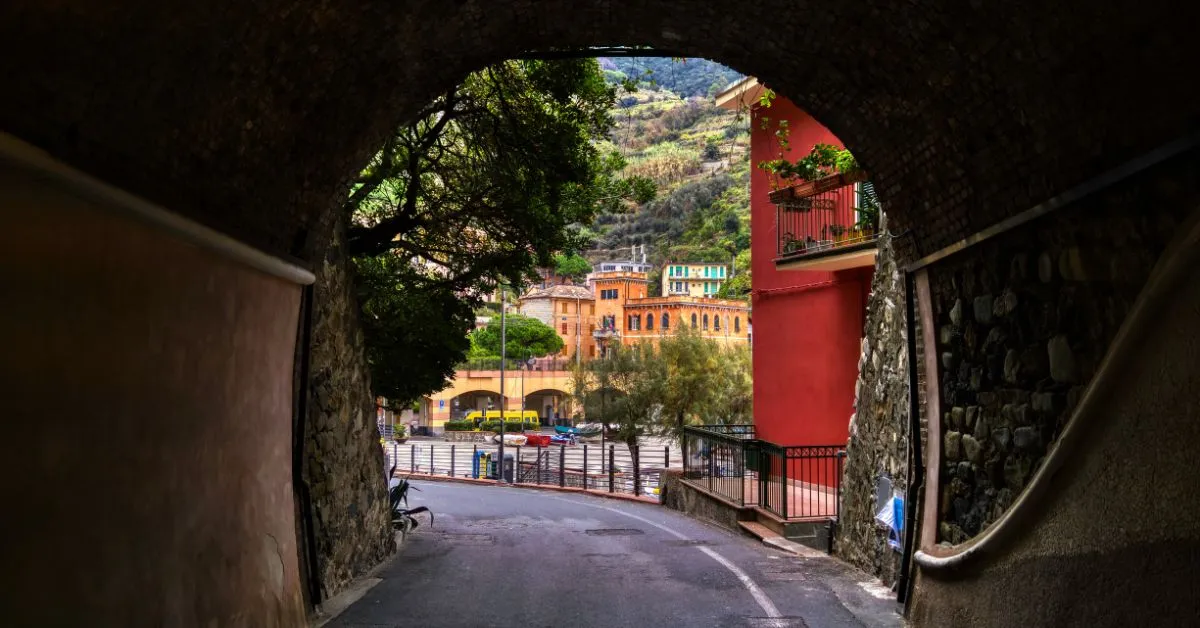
400,434
838,232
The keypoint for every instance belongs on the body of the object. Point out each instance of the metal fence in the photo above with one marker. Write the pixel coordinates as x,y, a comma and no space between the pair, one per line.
792,482
714,456
607,469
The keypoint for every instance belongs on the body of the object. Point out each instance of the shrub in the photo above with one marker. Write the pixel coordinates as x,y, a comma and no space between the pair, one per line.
459,426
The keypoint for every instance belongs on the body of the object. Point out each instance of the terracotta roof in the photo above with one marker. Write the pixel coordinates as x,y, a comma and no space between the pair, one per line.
559,292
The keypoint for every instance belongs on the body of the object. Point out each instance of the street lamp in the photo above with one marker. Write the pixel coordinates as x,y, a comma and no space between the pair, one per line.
503,397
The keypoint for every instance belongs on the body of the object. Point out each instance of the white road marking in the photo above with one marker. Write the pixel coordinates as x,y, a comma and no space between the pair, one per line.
756,592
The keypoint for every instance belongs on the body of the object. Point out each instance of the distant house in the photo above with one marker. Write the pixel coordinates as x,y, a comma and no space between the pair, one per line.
570,310
701,280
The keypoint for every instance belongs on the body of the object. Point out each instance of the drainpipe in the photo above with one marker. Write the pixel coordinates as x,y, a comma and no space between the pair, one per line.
916,472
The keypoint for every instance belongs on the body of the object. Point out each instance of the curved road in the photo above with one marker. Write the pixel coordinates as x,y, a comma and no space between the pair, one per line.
500,556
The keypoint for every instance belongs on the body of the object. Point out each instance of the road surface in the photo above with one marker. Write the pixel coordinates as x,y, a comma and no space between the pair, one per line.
500,556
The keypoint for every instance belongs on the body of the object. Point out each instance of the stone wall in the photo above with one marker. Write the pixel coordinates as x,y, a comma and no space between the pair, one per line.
343,464
1022,322
879,428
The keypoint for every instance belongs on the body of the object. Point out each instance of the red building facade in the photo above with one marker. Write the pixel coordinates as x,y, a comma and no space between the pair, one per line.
808,315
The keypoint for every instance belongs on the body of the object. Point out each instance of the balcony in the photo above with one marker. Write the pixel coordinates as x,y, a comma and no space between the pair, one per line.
827,224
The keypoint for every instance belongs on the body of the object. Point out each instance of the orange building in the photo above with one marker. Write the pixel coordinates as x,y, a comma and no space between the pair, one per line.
723,320
625,314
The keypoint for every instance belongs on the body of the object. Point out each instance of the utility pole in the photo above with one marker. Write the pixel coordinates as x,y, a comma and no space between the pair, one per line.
503,397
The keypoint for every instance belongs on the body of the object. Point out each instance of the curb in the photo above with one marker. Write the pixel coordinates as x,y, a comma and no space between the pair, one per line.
543,487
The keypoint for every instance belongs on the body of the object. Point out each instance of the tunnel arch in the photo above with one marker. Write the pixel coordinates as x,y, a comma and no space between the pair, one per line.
963,114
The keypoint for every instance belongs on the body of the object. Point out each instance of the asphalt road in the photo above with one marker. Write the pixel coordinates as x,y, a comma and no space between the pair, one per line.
499,556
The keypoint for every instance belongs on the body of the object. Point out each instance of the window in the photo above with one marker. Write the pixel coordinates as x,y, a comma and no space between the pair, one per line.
705,322
591,328
666,321
693,320
637,322
706,271
717,323
592,351
649,321
737,324
564,329
608,294
592,308
722,271
564,308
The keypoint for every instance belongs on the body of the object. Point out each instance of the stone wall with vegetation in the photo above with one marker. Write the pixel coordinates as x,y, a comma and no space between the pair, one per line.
343,463
879,428
1022,323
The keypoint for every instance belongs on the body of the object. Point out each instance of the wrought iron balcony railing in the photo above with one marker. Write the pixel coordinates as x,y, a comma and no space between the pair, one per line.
827,216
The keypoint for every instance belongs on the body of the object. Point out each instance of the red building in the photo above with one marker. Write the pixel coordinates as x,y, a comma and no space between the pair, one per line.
812,262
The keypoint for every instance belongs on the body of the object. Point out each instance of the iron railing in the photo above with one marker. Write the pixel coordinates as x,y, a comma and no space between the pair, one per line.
714,457
607,469
791,482
826,215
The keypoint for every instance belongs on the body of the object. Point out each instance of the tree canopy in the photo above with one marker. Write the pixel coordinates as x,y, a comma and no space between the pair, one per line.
573,265
525,337
481,188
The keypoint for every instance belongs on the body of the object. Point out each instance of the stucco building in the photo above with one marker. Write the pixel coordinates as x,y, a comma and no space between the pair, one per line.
701,280
809,290
570,310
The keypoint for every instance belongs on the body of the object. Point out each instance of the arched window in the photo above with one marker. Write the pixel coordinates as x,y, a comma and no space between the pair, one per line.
666,321
693,320
706,322
717,323
637,322
649,321
737,324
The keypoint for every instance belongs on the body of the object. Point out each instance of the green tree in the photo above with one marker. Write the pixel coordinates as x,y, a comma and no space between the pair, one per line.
583,384
413,339
482,187
692,373
571,265
524,337
732,398
636,375
738,286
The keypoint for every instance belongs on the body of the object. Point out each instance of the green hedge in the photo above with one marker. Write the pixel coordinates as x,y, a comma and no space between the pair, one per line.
509,426
459,426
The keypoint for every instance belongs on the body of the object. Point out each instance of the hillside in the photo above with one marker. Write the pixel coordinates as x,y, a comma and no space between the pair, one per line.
687,77
696,153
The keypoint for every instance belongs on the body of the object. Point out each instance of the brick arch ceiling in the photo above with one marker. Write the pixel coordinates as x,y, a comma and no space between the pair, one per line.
252,116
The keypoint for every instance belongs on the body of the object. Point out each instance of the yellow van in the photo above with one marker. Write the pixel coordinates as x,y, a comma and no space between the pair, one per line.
474,416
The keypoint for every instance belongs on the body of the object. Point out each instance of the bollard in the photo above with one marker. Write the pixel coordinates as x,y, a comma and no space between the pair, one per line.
562,461
585,468
666,456
412,460
537,465
452,461
516,467
611,455
636,458
432,469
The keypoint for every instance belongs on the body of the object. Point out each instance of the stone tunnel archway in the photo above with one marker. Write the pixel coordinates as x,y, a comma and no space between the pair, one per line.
964,114
249,119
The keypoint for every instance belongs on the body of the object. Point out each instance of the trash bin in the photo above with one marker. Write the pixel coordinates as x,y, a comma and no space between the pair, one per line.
508,468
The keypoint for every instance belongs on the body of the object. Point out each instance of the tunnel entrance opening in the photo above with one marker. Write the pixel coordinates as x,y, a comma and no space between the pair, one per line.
967,117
